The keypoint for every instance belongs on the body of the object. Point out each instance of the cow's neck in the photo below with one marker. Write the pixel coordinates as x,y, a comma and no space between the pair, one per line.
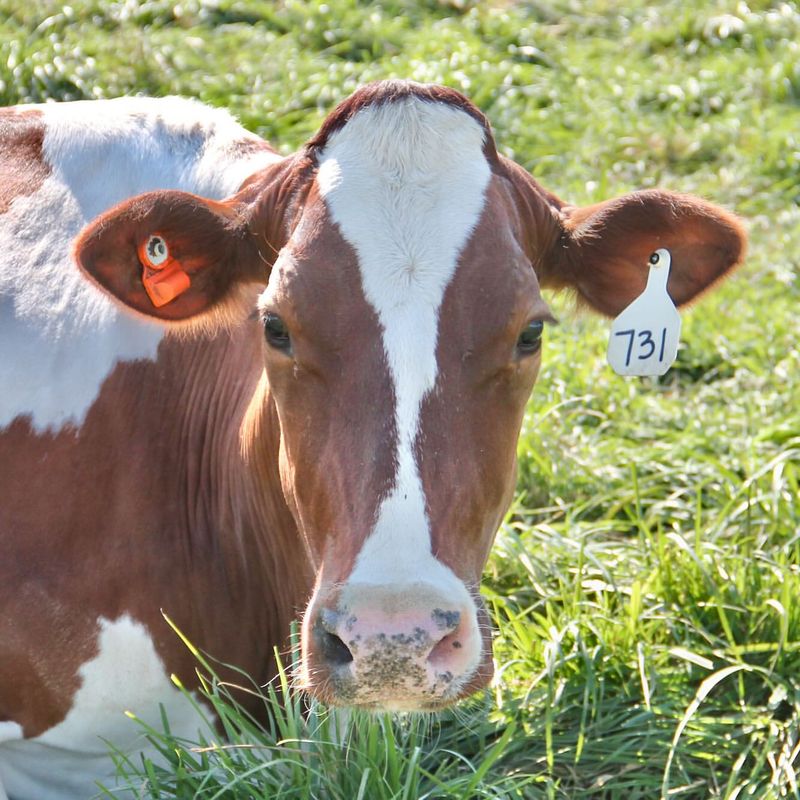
233,530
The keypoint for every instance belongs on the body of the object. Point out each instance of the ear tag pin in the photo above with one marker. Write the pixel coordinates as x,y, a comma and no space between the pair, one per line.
644,337
162,276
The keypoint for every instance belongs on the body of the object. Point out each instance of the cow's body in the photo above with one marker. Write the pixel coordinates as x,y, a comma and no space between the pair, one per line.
108,468
226,466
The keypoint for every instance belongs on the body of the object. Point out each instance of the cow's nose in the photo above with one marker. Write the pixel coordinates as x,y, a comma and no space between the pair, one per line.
381,649
344,636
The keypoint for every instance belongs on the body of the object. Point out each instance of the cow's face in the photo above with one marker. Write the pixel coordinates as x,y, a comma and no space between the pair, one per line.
402,325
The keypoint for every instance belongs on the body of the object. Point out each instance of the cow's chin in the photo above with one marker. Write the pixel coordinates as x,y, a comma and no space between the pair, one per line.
341,691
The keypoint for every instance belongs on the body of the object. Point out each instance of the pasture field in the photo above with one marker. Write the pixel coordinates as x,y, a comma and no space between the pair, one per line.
646,582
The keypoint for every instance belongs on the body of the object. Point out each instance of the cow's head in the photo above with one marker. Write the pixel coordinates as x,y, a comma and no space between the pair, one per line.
402,260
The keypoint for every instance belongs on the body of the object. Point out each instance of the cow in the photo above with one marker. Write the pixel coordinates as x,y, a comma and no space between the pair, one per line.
241,388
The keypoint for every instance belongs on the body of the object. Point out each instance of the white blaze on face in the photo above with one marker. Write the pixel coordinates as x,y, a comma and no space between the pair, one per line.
405,181
60,337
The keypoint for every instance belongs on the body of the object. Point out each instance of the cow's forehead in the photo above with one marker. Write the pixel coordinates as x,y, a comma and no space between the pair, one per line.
405,183
400,190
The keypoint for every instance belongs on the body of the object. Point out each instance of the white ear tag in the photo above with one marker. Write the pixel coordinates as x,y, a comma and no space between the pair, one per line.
644,337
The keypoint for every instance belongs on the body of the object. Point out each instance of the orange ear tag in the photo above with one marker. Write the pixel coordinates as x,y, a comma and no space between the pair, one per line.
162,275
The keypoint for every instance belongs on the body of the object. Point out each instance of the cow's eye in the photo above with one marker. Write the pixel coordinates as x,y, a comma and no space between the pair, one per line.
276,332
530,340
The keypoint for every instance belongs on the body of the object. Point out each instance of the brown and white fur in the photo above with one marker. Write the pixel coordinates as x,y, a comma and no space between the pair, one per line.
173,458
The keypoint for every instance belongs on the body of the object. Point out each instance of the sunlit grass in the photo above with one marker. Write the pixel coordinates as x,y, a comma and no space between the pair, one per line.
308,751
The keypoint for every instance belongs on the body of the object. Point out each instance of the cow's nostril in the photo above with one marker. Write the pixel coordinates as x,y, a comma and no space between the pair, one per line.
445,650
334,650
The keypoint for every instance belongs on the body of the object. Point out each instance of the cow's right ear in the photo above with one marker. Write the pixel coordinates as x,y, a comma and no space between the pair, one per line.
172,255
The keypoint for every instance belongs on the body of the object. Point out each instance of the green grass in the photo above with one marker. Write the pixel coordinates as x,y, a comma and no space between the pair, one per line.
646,583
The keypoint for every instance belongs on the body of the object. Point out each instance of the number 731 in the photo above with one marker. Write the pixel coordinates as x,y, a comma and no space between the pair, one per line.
646,346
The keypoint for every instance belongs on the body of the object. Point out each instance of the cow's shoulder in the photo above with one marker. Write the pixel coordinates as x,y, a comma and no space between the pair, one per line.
109,150
62,165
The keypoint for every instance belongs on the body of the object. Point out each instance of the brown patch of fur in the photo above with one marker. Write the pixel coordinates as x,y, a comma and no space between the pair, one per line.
535,214
22,165
335,403
251,146
151,505
470,422
334,397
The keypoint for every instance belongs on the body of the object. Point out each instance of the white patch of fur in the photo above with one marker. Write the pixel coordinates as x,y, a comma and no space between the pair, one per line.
9,732
406,184
59,336
65,762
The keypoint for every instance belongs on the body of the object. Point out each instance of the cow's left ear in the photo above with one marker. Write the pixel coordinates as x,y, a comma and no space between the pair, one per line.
603,250
171,255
